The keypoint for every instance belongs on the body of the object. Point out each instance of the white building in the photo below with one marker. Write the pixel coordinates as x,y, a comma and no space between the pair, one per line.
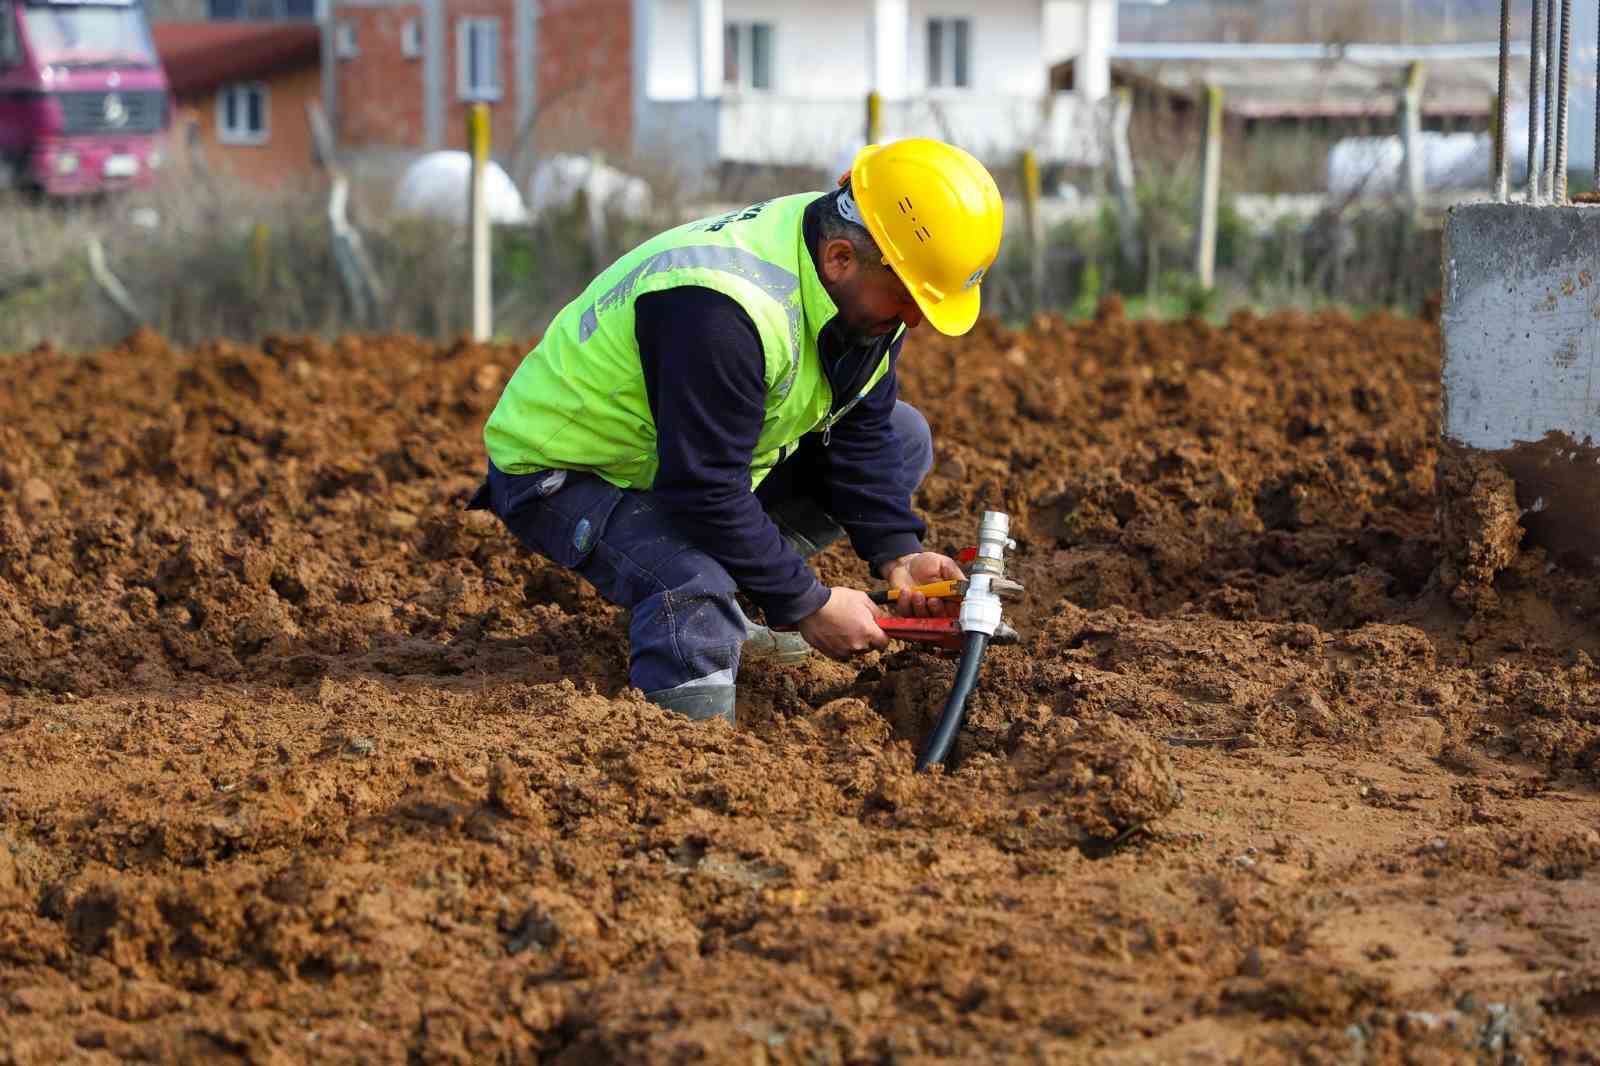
786,83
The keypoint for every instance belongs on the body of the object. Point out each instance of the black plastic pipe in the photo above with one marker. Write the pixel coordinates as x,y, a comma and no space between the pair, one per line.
939,742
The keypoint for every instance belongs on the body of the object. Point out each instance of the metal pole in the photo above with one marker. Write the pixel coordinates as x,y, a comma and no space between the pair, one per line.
1502,103
478,220
1031,191
1561,102
1548,155
1533,104
1210,190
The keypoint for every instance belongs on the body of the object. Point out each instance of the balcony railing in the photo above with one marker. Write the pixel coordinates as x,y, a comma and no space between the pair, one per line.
763,129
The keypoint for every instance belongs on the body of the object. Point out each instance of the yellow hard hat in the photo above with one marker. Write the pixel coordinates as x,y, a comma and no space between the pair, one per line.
936,215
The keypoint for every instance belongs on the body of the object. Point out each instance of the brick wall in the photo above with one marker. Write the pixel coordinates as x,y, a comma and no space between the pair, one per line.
584,95
585,76
379,90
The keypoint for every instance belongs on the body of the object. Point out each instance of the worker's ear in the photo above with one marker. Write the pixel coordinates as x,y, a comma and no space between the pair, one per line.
844,179
838,260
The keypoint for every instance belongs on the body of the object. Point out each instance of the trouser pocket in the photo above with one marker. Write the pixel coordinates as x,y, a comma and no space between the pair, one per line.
561,514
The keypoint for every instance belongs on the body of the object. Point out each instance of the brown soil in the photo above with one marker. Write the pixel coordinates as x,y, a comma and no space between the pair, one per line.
300,762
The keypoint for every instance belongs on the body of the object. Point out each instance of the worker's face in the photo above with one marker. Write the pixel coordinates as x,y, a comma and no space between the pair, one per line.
872,299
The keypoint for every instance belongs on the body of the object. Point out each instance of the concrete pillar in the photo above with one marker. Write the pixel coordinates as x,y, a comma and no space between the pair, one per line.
1093,66
527,61
891,48
708,33
1521,363
1122,176
330,69
433,86
643,30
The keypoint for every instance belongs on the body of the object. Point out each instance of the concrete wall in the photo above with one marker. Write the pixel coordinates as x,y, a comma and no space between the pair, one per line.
822,48
1007,44
819,50
1521,324
671,75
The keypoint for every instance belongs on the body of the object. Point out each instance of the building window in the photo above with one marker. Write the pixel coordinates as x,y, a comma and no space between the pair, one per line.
949,53
747,55
411,38
242,113
478,59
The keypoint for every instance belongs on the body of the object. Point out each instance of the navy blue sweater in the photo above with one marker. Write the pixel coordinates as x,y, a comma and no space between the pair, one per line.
703,371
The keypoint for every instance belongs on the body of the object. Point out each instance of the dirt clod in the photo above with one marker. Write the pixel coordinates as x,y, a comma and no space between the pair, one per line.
299,761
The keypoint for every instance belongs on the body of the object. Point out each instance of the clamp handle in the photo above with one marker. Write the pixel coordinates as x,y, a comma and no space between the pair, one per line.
940,590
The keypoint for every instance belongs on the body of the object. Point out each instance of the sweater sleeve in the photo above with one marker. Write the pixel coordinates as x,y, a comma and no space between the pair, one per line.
703,371
863,491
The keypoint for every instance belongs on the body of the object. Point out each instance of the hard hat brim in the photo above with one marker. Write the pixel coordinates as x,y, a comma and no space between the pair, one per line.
953,316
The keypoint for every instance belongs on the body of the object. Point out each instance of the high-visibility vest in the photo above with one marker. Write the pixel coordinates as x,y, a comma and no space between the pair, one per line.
578,400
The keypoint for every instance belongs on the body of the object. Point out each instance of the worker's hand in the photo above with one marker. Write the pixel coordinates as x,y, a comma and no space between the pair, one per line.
923,568
844,626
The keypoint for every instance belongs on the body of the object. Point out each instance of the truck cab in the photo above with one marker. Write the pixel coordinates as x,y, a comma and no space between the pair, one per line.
84,103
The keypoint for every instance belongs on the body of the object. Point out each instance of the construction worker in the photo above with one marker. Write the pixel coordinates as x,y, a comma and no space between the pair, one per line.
722,402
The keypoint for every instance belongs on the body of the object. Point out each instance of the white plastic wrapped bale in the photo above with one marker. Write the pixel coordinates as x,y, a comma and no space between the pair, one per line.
437,186
557,181
1373,166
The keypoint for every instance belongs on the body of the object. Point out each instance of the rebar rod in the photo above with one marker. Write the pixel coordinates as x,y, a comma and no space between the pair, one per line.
1561,102
1533,104
1502,104
1547,156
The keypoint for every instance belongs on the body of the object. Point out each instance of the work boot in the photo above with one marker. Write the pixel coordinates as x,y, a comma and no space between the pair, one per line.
764,643
698,702
805,527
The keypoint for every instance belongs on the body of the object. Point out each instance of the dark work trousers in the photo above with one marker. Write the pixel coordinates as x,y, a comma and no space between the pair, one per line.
686,629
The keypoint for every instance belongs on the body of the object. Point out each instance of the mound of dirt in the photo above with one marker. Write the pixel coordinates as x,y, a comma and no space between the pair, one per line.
301,761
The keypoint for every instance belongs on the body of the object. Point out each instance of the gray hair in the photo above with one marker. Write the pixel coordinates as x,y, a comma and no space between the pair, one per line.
841,220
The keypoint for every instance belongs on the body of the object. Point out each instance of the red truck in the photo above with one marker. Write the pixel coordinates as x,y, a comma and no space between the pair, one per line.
84,103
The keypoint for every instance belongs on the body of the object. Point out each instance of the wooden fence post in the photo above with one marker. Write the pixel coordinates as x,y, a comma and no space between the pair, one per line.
1034,219
1205,245
1122,177
260,257
110,284
1411,138
361,285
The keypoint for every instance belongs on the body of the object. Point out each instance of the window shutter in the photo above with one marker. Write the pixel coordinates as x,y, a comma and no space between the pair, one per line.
963,56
